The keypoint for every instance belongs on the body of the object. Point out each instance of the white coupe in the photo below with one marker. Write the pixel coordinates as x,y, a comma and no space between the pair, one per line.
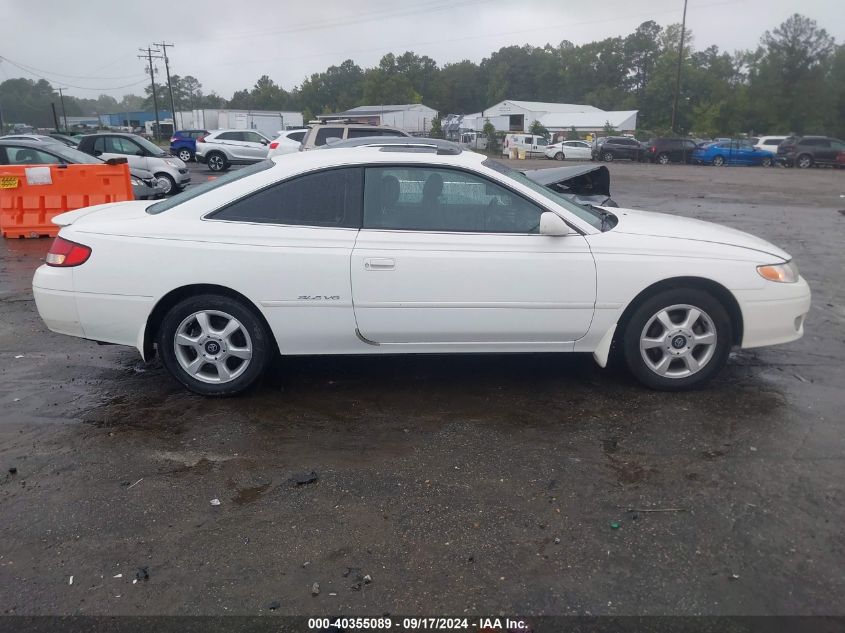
411,248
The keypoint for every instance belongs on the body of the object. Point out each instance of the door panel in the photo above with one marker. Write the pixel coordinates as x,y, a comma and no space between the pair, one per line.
434,285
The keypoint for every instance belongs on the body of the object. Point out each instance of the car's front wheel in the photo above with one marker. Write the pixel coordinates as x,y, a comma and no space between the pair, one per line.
559,156
804,161
214,345
677,339
167,184
663,158
216,162
718,161
607,157
766,162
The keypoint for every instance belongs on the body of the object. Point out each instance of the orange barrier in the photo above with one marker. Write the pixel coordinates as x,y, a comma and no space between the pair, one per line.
32,195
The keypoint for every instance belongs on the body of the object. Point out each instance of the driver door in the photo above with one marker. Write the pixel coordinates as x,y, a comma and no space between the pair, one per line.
254,145
121,147
446,256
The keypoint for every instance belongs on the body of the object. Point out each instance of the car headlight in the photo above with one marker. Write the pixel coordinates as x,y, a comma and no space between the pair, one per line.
786,273
172,163
135,182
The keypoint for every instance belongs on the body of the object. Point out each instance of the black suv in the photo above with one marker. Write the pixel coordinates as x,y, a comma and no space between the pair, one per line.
669,150
616,147
806,151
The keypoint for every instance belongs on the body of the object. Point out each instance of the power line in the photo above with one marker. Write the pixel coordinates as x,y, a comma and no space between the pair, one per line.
66,84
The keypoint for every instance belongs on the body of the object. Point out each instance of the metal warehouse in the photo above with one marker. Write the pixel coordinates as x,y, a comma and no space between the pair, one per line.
413,118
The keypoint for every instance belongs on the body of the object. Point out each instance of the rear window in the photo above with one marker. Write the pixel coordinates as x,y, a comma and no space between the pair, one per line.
211,185
325,133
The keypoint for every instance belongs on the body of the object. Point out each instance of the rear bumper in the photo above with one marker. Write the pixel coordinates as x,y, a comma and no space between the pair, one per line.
776,315
57,308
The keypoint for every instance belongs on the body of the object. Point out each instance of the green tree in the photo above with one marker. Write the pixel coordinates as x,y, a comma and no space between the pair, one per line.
572,135
539,129
489,131
436,130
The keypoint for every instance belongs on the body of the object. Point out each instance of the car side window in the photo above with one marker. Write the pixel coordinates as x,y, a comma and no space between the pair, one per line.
229,136
30,156
297,136
328,198
120,145
435,199
325,133
100,144
253,137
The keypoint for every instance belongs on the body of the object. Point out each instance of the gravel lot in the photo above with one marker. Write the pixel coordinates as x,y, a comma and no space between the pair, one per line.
477,485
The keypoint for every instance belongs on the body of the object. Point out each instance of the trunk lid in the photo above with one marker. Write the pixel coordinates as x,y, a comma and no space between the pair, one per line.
111,211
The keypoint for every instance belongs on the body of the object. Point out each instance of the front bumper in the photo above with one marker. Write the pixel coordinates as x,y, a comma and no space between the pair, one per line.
774,315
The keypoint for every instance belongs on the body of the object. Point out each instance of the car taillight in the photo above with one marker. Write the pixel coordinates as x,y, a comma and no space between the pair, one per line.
64,253
274,145
201,139
173,139
652,149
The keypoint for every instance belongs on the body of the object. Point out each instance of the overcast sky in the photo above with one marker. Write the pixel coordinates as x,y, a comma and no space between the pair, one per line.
228,45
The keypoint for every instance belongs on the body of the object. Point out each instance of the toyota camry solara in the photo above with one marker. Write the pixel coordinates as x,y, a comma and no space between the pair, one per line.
385,250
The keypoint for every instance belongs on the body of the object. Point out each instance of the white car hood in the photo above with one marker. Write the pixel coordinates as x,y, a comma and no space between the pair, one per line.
634,222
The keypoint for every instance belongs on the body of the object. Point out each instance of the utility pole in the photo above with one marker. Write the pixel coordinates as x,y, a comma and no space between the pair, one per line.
149,56
678,74
55,117
164,47
64,114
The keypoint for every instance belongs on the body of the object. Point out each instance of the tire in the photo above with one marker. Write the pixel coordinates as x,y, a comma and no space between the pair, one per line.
204,338
718,161
167,183
216,161
663,158
766,162
661,357
559,156
607,157
804,161
185,155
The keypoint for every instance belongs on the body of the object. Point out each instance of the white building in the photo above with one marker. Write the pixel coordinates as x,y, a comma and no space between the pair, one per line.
413,118
517,116
267,122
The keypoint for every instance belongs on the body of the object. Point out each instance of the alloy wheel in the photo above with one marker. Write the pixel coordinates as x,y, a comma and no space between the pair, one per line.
212,346
184,155
216,162
678,341
165,183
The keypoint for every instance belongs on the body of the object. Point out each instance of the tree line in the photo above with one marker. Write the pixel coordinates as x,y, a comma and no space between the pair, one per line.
793,81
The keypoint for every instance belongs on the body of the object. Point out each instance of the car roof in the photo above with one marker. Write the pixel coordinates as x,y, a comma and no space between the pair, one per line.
25,142
399,144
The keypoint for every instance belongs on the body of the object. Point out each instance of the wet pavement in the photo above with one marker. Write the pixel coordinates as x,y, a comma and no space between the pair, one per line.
471,484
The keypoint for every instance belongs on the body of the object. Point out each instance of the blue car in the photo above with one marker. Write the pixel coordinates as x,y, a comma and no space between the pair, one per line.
183,143
732,153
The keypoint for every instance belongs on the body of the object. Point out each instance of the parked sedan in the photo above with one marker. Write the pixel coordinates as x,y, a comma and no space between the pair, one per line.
618,147
570,150
732,153
286,142
409,250
144,184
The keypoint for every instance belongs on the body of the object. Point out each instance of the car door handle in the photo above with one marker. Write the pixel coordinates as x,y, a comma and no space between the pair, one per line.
379,263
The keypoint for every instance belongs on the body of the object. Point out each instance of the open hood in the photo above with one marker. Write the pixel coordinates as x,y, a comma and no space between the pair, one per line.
588,183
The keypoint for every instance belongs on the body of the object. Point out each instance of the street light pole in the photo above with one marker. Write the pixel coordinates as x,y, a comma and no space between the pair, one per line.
678,74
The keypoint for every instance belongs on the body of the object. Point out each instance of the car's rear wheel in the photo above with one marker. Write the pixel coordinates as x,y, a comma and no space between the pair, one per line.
766,162
663,158
677,339
804,161
607,157
185,155
559,156
718,161
214,345
167,183
217,162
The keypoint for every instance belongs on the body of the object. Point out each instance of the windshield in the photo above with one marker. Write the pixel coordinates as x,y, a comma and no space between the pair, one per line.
155,150
586,213
211,185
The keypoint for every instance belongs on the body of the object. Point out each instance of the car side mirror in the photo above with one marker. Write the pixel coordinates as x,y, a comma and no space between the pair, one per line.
140,152
553,224
98,152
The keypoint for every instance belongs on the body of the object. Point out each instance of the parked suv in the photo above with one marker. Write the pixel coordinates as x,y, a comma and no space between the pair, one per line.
183,143
768,143
319,134
222,148
670,150
616,147
806,151
286,142
170,172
